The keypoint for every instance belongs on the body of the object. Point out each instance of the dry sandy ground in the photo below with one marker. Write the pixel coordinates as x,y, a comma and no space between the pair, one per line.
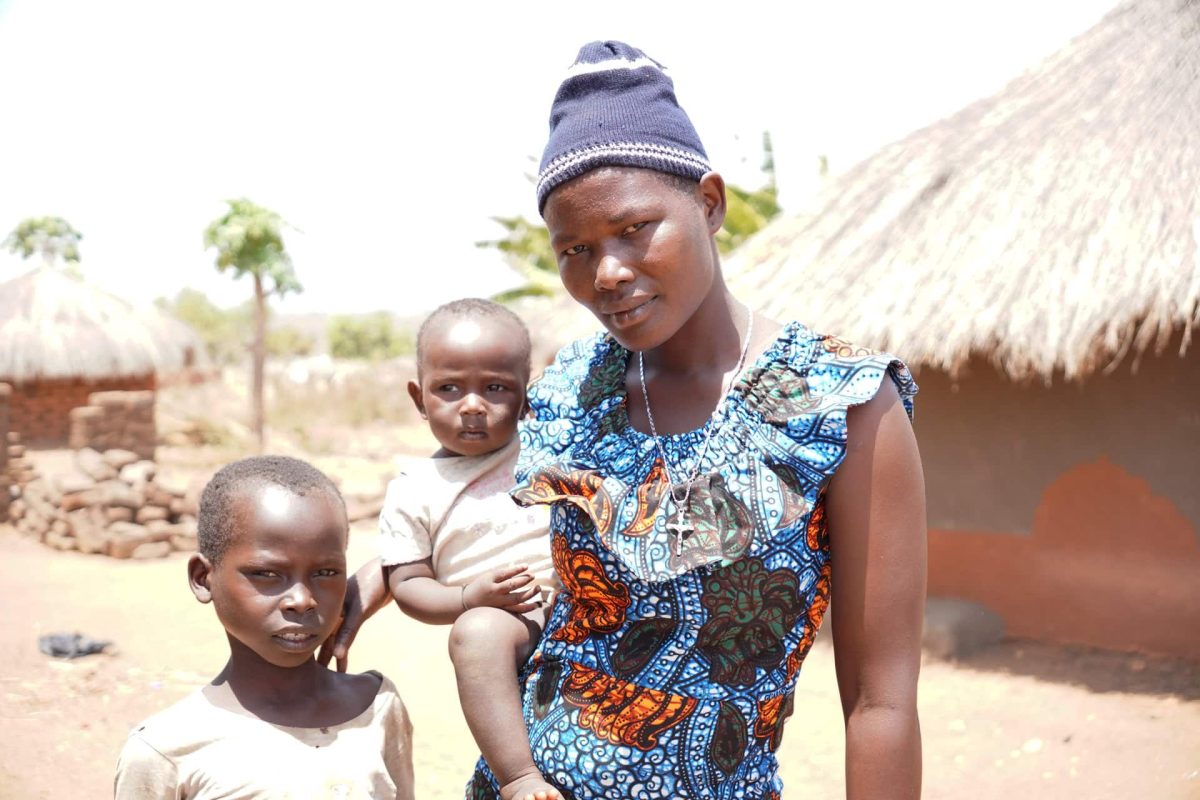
1019,721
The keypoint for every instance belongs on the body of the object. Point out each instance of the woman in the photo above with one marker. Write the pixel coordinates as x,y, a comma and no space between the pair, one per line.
717,480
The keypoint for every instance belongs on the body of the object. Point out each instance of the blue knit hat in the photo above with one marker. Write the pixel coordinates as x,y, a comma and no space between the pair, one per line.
617,107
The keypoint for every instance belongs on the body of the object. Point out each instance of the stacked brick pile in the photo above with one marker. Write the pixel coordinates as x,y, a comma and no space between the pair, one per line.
115,421
19,468
5,496
18,473
115,504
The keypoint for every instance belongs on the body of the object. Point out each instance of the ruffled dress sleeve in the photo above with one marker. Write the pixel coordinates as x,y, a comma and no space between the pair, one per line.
570,391
802,397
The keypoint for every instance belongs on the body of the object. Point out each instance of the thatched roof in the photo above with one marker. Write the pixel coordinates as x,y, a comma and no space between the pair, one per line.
1052,227
53,325
553,322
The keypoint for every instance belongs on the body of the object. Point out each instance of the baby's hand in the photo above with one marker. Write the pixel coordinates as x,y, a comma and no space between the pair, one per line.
511,588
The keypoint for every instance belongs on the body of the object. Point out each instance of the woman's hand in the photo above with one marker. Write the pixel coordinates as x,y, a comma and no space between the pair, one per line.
511,588
366,593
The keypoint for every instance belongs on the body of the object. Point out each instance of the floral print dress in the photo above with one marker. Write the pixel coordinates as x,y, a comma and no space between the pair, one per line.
667,667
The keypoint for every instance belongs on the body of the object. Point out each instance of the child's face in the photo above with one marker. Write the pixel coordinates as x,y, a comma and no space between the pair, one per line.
472,386
635,251
279,586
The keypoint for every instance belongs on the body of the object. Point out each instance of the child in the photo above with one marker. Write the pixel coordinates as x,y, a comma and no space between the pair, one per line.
274,723
452,539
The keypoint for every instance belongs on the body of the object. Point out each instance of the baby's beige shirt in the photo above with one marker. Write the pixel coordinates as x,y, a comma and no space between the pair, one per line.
457,512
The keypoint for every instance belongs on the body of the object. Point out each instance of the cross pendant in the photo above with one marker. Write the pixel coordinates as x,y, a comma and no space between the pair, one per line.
680,530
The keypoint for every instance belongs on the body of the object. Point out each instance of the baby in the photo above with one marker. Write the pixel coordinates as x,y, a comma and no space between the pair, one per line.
452,539
274,722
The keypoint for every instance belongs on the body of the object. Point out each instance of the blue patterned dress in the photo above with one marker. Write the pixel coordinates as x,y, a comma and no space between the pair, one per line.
667,668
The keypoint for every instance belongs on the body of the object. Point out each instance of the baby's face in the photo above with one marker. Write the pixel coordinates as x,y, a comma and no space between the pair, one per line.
278,588
472,388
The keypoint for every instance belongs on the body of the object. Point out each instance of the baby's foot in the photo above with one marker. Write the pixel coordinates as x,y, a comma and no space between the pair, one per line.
529,787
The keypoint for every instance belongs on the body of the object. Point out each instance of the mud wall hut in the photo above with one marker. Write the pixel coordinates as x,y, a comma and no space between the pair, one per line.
62,339
1035,256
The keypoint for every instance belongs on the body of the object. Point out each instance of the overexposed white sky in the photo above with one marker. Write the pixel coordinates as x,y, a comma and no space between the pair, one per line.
388,133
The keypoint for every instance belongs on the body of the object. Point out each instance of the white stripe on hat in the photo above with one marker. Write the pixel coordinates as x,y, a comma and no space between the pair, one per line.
580,68
573,158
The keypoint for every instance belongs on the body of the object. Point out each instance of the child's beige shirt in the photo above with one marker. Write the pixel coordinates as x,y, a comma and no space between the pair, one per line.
207,746
457,512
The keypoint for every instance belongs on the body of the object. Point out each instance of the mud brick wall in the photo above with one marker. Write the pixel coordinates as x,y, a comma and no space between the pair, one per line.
115,421
5,399
40,410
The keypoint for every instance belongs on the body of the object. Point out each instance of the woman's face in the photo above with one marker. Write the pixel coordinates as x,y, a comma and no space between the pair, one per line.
637,250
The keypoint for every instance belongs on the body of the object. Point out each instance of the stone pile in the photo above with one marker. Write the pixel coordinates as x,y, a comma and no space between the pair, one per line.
6,494
115,420
20,469
18,472
115,503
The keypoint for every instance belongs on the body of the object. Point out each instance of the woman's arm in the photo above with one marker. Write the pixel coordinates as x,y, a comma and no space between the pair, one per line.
876,511
366,593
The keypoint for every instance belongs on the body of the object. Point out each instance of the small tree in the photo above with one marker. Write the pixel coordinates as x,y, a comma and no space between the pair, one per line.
248,239
526,247
290,342
225,331
53,237
747,212
372,336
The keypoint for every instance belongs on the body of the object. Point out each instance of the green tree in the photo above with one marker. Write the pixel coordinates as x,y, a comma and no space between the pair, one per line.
527,249
225,331
371,336
747,212
53,237
289,341
249,240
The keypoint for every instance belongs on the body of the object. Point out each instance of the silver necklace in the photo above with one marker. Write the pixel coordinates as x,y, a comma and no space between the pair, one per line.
681,492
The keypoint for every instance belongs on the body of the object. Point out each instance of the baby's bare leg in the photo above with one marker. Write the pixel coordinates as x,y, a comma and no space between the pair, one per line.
488,646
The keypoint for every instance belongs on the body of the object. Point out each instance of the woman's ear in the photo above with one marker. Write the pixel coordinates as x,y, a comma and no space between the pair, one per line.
414,391
199,575
712,193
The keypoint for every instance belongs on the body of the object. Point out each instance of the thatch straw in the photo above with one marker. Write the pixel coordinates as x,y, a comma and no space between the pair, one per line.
553,322
1052,227
53,325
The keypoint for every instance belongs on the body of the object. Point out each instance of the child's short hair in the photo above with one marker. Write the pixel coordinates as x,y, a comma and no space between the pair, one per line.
475,308
215,521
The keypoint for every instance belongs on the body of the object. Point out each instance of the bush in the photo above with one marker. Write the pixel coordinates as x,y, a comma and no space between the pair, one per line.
372,337
289,342
225,331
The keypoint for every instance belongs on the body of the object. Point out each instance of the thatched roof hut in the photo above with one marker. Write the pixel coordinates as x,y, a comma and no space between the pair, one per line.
62,341
1053,227
55,326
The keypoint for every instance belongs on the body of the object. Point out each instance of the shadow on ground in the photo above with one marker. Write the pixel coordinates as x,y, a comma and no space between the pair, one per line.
1095,670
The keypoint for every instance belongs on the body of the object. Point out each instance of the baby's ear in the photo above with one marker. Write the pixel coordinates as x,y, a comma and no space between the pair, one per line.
199,575
414,391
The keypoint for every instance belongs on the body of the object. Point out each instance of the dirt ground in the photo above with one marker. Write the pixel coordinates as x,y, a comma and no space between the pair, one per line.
1019,720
